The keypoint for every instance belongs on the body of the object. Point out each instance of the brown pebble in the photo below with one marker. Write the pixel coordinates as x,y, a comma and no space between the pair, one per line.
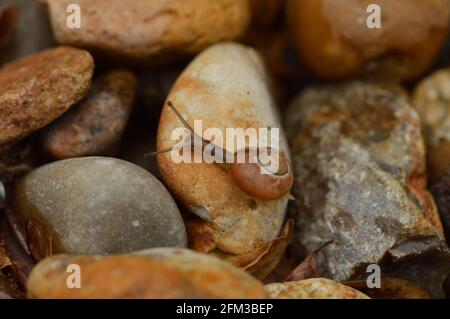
153,273
315,288
37,89
334,41
150,32
96,125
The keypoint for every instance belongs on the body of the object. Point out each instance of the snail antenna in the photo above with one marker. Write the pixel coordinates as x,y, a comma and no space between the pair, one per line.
167,150
185,123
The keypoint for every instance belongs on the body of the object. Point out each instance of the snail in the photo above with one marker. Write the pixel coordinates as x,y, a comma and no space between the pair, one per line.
252,175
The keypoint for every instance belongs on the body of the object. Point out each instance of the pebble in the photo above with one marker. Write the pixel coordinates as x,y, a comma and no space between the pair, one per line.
150,32
97,205
226,86
155,273
359,161
36,90
96,124
315,288
335,41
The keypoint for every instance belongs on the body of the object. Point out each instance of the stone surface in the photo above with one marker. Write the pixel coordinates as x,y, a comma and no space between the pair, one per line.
334,41
152,31
37,89
226,86
96,125
315,288
359,160
431,99
154,273
97,205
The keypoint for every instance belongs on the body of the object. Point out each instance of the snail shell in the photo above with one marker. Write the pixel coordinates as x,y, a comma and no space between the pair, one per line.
270,185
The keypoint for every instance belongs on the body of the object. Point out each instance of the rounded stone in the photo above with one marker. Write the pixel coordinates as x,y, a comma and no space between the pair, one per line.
39,88
150,32
99,205
153,273
315,288
95,125
335,42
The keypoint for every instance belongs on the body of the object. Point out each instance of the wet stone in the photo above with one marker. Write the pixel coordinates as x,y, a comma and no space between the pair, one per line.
96,205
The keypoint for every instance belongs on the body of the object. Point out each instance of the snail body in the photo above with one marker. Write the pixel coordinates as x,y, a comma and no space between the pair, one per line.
251,175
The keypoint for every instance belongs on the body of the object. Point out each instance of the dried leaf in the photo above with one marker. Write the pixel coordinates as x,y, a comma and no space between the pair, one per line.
8,286
391,288
281,271
39,240
200,234
308,268
267,262
262,260
21,261
4,262
4,259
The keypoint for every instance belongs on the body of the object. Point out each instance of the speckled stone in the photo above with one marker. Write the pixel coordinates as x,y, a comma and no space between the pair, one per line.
315,288
95,125
39,88
99,205
359,161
